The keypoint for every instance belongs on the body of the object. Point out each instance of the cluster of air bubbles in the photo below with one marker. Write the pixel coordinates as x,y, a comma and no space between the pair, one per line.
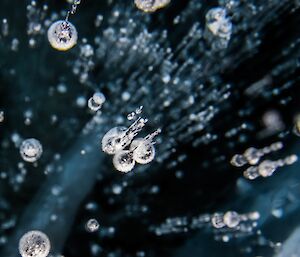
265,168
96,101
140,150
73,10
62,35
218,27
92,225
134,114
31,150
151,5
231,219
224,225
34,244
252,155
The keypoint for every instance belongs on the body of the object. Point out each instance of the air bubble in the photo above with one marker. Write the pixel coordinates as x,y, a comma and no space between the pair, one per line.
112,140
231,219
31,150
217,220
92,225
96,101
123,161
143,151
62,35
34,244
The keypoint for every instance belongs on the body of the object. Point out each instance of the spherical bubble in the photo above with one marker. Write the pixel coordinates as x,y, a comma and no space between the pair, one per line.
34,244
123,161
217,220
231,219
62,35
92,225
31,150
111,142
143,151
96,101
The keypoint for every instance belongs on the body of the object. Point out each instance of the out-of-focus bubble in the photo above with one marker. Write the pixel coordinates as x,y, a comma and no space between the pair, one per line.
31,150
217,220
231,219
266,168
92,225
218,23
96,101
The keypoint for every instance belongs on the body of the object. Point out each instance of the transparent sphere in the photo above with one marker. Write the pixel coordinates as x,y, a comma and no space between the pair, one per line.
231,219
111,142
62,35
96,101
217,220
34,244
92,225
123,161
143,151
31,150
238,160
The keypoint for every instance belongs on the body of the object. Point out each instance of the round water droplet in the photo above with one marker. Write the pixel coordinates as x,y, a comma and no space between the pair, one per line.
62,35
92,225
31,150
34,244
123,161
143,151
